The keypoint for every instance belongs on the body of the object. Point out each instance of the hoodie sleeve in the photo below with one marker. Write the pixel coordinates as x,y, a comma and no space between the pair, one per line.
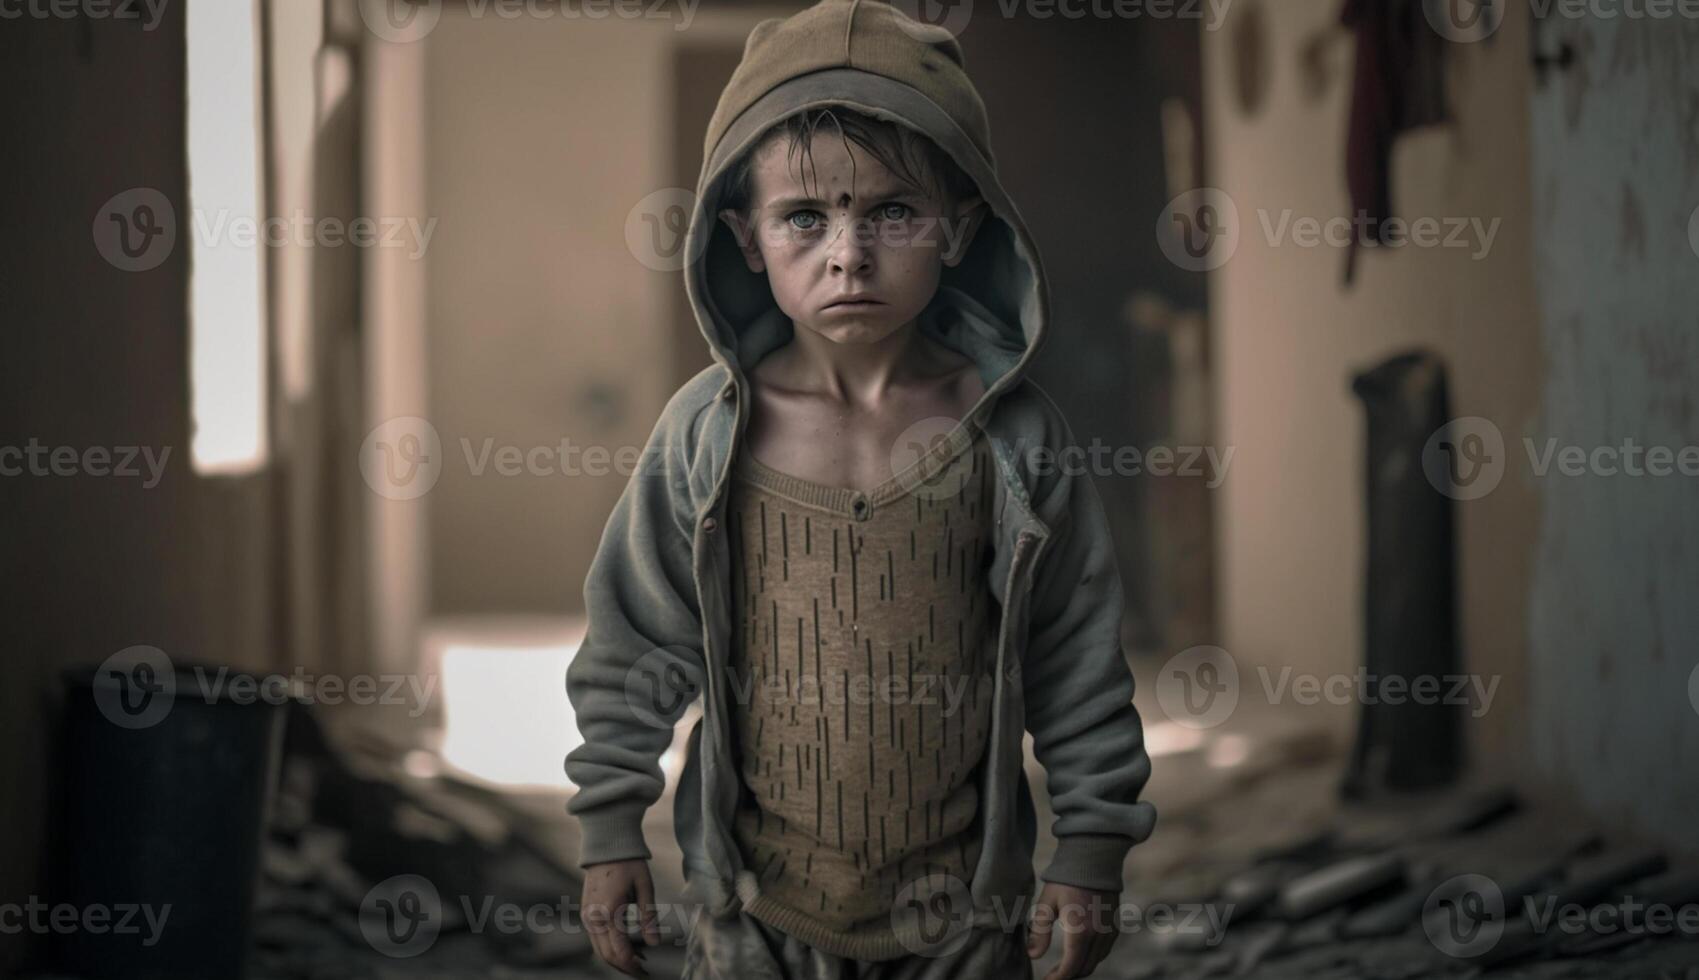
1078,686
640,665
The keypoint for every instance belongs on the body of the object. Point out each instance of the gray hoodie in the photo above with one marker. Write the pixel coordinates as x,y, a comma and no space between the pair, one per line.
658,590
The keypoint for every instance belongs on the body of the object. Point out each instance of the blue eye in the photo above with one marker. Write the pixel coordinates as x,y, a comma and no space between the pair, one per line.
804,220
895,212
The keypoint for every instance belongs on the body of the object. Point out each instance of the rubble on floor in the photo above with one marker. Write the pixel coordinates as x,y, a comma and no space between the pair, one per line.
1260,869
1271,875
370,871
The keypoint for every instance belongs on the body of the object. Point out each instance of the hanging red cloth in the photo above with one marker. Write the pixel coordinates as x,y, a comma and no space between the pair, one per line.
1398,84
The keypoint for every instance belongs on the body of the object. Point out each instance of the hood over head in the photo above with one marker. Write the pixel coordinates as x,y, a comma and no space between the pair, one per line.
867,56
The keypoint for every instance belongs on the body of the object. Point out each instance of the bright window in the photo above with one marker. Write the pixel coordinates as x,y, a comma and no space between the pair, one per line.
227,309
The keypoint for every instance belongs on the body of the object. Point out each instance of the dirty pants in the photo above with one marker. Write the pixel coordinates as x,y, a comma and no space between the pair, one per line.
741,947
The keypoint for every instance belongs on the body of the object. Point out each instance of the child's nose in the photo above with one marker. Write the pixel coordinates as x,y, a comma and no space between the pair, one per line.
851,249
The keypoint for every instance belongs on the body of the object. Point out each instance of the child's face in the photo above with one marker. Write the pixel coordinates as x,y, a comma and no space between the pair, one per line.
853,262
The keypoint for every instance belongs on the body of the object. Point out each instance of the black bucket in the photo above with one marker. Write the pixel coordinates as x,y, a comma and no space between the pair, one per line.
167,778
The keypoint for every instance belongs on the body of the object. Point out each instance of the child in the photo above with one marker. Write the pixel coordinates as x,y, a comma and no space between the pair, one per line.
849,537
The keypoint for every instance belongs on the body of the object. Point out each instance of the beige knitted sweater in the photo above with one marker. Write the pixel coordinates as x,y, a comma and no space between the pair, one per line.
863,690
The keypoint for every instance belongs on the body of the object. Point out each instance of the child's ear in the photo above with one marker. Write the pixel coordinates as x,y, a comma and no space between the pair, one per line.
970,214
743,232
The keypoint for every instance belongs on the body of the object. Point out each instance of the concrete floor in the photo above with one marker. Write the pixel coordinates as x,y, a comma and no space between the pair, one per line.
1266,778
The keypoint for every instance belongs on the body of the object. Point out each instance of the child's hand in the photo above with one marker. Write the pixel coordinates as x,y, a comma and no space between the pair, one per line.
608,889
1088,927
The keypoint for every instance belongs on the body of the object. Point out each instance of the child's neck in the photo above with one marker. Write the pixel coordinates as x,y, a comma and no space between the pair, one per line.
859,373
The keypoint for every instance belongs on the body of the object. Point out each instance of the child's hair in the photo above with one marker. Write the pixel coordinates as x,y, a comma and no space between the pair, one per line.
914,158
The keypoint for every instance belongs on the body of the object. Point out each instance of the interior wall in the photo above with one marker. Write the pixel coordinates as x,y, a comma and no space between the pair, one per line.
1288,337
294,34
393,324
1614,663
537,310
1076,107
98,357
542,325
